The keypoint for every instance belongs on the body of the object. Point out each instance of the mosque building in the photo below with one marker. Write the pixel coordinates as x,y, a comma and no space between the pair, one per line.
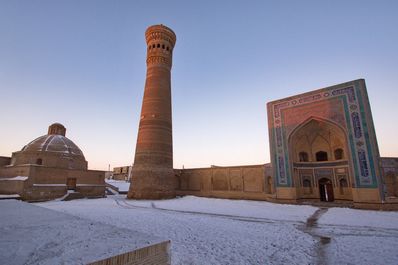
323,147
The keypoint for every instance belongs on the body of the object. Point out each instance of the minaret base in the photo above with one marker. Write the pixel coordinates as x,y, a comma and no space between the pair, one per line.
152,184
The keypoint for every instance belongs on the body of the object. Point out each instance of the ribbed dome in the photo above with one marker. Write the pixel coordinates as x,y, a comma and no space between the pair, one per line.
51,150
53,143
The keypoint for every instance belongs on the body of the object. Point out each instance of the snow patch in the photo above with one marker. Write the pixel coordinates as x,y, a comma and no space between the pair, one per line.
90,185
9,196
22,178
123,186
258,209
49,185
366,218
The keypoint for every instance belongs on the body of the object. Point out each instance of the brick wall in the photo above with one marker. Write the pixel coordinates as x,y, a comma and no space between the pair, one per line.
157,254
237,182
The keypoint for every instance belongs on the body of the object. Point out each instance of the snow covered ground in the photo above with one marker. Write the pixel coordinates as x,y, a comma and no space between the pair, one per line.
351,217
217,231
122,185
35,235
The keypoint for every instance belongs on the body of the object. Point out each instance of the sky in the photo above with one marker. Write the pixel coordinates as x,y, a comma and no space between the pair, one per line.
82,64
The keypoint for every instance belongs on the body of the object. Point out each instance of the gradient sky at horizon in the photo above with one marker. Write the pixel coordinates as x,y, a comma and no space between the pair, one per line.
82,63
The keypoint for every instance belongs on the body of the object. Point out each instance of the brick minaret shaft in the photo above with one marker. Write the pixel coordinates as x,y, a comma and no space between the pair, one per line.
152,173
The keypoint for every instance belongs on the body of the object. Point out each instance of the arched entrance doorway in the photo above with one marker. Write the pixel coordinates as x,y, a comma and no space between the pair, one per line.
326,190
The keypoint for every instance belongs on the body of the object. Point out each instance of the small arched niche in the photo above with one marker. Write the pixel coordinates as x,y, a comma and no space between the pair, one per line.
307,186
269,184
338,154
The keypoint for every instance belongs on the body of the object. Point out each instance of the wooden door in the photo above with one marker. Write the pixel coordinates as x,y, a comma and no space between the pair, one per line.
326,190
71,183
329,190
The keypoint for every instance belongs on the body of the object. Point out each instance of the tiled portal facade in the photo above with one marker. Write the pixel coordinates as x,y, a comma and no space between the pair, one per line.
325,139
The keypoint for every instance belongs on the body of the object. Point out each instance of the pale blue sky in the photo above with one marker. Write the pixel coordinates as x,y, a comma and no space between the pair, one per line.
82,63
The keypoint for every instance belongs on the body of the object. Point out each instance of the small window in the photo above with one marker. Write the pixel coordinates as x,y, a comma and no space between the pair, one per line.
153,46
158,45
167,48
163,47
303,157
321,156
39,161
338,154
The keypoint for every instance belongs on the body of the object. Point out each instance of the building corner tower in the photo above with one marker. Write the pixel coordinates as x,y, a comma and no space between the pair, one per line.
152,174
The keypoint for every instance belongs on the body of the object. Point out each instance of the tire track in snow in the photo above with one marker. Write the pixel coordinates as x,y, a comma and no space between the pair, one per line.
123,204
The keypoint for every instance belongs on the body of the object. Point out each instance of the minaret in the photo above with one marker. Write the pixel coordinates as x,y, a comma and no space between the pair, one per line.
152,173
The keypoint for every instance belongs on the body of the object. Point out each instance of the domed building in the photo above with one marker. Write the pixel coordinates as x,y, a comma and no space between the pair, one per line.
48,167
51,150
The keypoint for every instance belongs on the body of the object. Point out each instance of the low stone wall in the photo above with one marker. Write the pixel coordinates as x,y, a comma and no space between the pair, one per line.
158,254
91,191
47,183
120,176
43,192
385,206
8,186
238,182
389,167
14,171
4,161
